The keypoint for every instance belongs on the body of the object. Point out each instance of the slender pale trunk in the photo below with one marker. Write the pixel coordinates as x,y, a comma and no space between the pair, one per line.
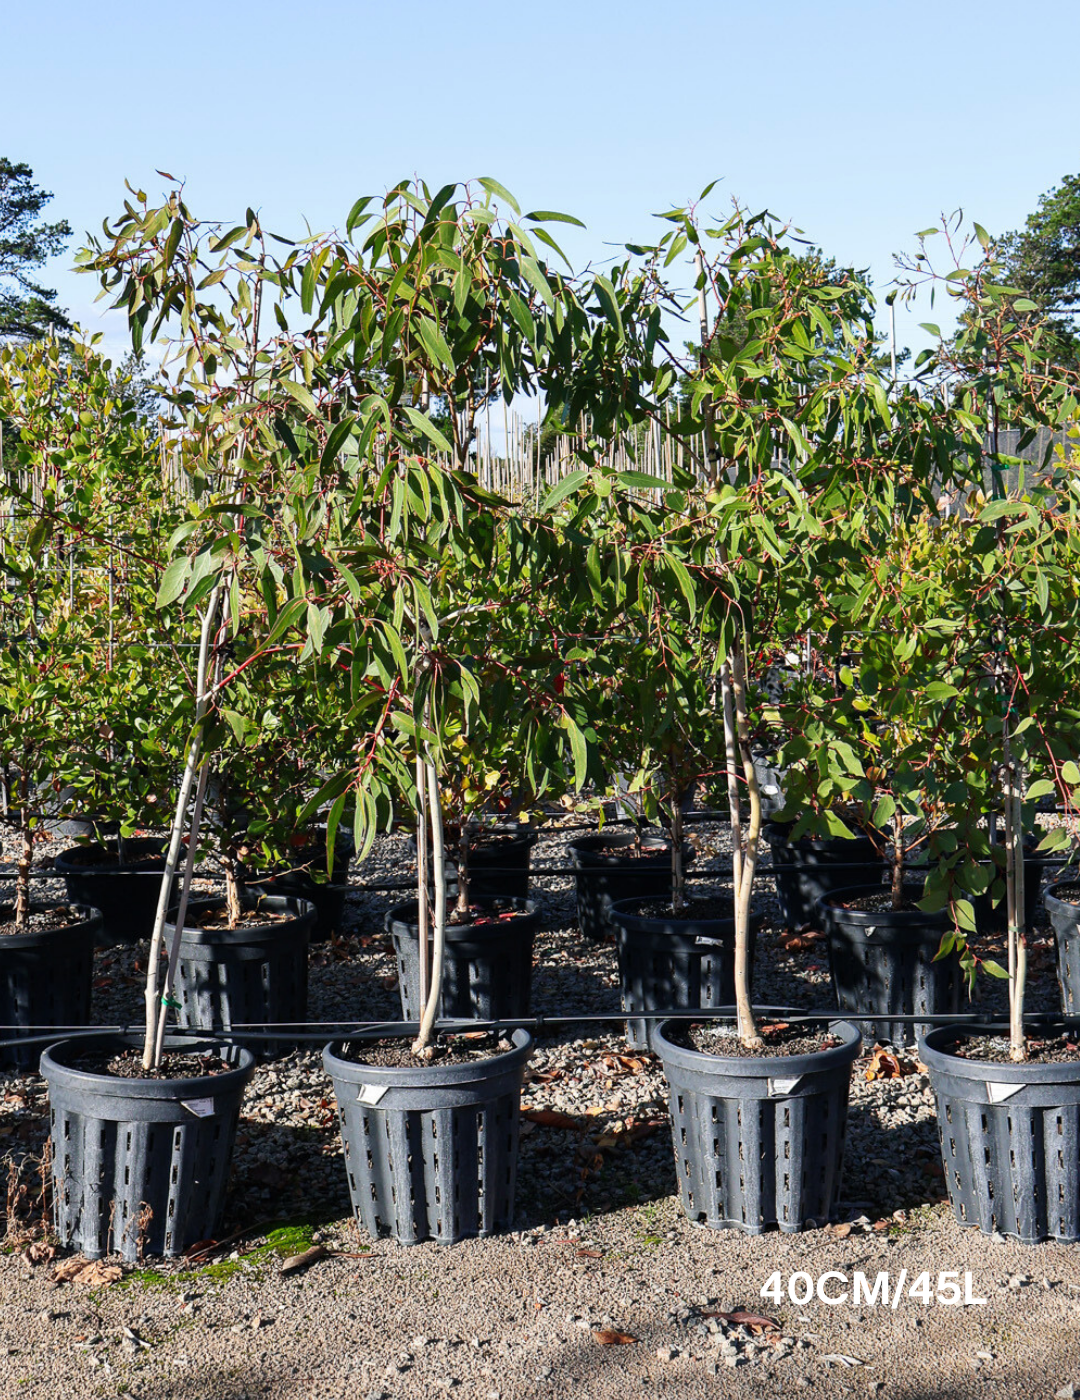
747,1026
898,862
176,835
423,870
461,908
26,852
181,913
731,758
438,856
678,872
1014,896
233,910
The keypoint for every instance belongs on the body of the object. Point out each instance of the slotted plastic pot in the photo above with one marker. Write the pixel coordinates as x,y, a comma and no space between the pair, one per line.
139,1165
882,964
126,892
1065,919
487,968
809,869
254,974
498,865
431,1151
759,1142
45,979
668,963
1010,1141
608,871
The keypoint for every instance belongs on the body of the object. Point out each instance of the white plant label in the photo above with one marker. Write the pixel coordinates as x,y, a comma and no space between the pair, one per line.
780,1088
202,1108
998,1093
372,1093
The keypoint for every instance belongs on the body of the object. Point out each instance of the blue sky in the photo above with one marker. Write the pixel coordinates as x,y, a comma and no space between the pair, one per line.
861,122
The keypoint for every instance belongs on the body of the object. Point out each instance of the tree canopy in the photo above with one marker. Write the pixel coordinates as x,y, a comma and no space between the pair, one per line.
27,309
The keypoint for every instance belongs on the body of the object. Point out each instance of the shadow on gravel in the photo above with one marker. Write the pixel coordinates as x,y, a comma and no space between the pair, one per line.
279,1170
894,1168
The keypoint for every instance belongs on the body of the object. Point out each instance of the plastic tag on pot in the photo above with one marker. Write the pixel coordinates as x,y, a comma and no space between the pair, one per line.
998,1093
202,1108
372,1093
780,1088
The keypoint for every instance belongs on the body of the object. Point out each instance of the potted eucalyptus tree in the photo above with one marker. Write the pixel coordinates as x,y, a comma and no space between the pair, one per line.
1008,1097
787,400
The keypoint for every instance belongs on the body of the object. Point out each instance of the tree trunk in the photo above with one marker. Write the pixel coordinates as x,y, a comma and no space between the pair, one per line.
26,855
898,862
233,910
678,872
461,908
438,856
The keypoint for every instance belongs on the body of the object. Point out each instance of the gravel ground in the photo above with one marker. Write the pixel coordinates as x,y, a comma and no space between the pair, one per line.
600,1246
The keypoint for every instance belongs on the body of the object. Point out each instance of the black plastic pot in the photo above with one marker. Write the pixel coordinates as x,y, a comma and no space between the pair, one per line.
45,979
327,900
882,963
431,1152
1010,1141
139,1165
602,878
498,865
759,1141
249,975
994,918
810,868
487,968
667,964
1065,919
126,893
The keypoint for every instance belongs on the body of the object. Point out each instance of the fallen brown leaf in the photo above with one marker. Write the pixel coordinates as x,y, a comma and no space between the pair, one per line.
91,1273
38,1253
610,1338
589,1254
296,1262
775,1028
839,1232
746,1319
549,1118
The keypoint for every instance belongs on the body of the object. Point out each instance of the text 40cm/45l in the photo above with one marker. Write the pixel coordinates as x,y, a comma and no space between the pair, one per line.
951,1289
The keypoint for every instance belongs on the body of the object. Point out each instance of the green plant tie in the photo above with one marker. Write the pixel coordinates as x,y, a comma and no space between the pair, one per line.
167,1000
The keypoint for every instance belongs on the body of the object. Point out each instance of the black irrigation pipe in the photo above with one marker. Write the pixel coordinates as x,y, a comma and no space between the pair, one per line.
373,1030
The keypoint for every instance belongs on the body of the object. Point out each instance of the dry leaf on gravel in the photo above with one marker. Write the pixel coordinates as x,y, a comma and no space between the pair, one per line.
549,1118
839,1232
589,1254
610,1338
38,1253
839,1359
91,1273
885,1065
751,1321
296,1262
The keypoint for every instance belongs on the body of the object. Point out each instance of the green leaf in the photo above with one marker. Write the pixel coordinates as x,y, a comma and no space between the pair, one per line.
566,487
552,216
605,295
423,424
643,481
993,968
316,626
172,581
434,344
580,750
334,443
983,237
1070,772
500,192
964,914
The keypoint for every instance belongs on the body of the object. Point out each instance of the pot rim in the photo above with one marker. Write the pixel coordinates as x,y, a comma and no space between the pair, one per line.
935,1054
907,919
414,1076
761,1066
302,910
90,918
206,1086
